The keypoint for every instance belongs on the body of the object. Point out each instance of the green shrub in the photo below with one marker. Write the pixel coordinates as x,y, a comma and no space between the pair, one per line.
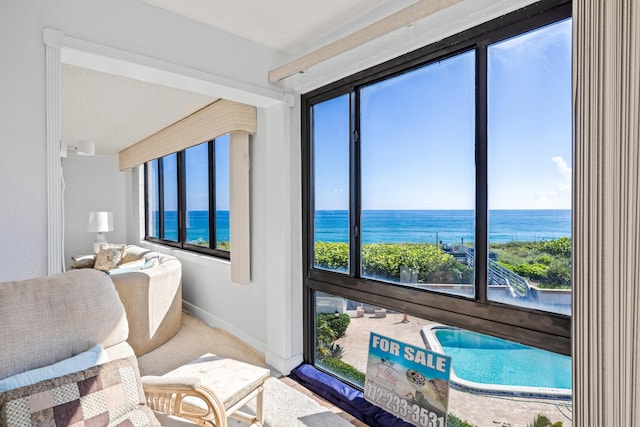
325,335
542,421
534,272
431,264
453,421
385,260
548,263
332,255
330,327
561,246
337,351
343,370
545,259
339,323
559,274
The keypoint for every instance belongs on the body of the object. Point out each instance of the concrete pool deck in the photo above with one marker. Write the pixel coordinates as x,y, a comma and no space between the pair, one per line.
478,409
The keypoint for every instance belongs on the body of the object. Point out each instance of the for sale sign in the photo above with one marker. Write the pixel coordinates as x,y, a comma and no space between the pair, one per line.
408,381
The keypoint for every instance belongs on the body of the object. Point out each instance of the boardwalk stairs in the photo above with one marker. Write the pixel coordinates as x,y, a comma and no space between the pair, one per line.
497,274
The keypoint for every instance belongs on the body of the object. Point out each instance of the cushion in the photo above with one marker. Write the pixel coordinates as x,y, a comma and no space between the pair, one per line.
83,261
94,356
108,394
109,256
151,262
150,255
128,266
48,319
134,252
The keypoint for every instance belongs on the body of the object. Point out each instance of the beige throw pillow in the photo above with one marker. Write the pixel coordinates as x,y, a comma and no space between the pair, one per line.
109,256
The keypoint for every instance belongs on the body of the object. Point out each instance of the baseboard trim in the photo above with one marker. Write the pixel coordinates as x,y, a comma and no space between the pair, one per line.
282,365
216,322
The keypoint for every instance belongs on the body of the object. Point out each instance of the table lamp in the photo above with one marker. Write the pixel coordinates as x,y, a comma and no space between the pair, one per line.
100,222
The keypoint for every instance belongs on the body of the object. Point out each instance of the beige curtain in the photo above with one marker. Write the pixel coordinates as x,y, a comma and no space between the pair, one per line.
239,220
607,213
214,120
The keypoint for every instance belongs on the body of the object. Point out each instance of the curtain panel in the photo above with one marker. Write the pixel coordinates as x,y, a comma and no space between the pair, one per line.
606,332
217,119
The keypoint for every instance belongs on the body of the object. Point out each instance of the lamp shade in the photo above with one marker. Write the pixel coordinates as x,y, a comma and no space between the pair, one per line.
100,222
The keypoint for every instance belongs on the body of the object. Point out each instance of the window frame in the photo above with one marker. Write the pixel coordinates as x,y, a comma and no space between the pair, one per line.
182,206
545,330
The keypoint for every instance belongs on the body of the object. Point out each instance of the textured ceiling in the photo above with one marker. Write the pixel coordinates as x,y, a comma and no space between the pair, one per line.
114,112
285,25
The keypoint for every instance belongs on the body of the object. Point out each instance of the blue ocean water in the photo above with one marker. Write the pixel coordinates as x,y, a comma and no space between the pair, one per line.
411,226
197,225
446,226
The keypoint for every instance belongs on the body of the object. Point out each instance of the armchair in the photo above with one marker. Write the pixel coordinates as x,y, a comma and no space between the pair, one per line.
149,284
50,322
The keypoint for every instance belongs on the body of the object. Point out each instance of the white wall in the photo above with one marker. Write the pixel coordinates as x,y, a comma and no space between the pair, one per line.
92,184
266,312
128,25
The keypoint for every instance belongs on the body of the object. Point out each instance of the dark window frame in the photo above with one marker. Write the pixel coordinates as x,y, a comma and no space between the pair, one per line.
182,206
549,331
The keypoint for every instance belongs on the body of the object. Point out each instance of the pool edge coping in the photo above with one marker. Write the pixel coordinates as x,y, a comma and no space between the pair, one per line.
430,340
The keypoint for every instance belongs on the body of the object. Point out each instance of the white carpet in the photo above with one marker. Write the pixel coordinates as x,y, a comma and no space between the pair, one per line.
283,406
286,407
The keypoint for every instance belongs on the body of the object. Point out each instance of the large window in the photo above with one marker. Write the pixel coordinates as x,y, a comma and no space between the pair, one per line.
492,382
187,198
417,176
439,184
529,167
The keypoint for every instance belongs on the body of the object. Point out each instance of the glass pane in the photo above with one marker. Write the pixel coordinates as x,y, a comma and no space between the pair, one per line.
153,200
492,382
331,184
222,192
197,184
418,177
529,164
170,181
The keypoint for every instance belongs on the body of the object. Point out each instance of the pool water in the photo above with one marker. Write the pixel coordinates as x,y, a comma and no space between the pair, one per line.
484,359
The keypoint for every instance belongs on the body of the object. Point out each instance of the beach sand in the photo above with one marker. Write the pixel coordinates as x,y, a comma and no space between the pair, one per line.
479,410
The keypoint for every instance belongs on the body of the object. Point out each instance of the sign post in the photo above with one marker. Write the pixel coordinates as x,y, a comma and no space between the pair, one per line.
409,382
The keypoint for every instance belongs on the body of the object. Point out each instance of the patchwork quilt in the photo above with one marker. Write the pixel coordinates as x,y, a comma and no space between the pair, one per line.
104,395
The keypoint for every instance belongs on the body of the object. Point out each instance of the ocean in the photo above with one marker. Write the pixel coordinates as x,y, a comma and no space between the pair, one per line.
197,225
410,226
446,226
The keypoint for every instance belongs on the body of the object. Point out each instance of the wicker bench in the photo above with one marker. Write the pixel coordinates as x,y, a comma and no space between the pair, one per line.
219,388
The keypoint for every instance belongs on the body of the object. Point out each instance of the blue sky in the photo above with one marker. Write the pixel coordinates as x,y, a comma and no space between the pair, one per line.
197,177
418,131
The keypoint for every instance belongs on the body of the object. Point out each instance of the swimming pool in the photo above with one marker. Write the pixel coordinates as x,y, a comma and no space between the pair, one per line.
488,364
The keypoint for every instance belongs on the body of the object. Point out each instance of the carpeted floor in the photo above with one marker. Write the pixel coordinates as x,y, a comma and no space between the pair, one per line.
283,406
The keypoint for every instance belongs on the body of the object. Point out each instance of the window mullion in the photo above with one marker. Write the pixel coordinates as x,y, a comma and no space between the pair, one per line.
182,198
160,199
310,201
212,194
147,209
355,200
482,215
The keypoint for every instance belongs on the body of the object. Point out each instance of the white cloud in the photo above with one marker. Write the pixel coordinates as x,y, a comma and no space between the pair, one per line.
560,196
565,172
